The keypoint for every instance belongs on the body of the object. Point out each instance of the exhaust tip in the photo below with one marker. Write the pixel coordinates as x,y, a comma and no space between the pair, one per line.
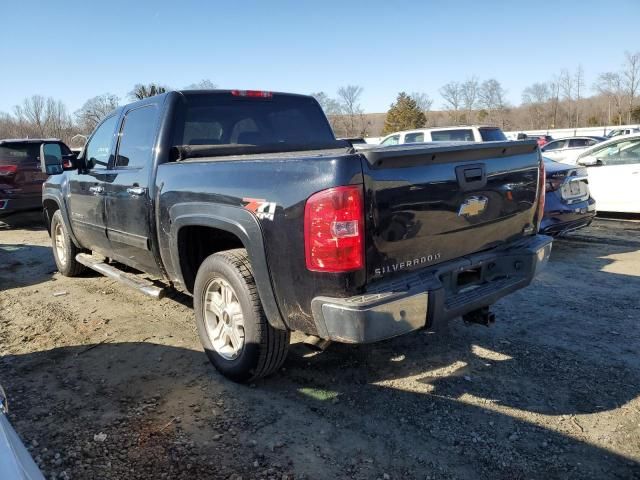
316,343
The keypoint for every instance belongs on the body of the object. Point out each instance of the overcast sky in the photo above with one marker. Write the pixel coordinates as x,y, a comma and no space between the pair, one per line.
74,50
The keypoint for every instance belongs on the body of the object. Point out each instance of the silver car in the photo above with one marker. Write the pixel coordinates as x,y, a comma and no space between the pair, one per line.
15,461
566,150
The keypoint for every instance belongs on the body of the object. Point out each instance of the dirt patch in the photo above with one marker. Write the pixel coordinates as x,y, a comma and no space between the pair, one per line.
105,383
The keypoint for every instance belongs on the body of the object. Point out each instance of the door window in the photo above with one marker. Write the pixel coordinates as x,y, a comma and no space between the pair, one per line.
392,140
99,147
580,142
137,137
554,145
621,153
417,137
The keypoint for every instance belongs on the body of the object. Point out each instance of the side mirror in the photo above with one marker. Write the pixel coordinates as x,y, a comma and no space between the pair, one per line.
52,161
588,161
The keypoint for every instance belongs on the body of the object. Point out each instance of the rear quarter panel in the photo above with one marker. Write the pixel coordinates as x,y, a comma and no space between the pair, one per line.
285,181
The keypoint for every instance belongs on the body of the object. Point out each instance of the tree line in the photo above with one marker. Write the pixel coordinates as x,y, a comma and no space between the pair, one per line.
561,102
45,117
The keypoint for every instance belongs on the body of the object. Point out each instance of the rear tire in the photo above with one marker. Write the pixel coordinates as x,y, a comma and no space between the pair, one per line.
232,325
64,250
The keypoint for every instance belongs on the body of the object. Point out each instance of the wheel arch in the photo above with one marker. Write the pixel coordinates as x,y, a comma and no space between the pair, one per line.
50,204
226,227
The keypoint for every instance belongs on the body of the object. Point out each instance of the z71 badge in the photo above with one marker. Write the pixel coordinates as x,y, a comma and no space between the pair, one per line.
264,210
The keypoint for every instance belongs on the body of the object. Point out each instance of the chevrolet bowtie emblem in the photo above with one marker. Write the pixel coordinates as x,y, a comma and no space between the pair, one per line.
473,206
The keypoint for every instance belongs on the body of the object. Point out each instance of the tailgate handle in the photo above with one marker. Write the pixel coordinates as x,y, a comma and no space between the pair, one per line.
471,177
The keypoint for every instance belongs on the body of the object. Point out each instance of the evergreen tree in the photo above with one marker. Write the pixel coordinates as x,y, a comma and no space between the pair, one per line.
404,114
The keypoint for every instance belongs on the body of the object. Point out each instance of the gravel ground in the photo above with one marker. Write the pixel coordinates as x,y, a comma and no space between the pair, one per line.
105,383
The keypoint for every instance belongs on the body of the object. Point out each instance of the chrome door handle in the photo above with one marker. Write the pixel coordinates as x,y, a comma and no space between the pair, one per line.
137,191
97,189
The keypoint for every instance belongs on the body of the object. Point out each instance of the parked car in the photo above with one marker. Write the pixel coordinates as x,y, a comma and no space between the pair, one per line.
614,173
20,175
541,139
566,150
474,133
622,131
568,204
16,462
246,200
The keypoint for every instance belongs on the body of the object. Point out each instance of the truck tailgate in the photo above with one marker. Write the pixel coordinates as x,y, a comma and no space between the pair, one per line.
427,204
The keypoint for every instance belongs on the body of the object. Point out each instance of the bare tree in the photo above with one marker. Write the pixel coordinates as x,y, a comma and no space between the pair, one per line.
492,97
58,121
424,103
331,108
451,93
469,93
631,79
352,115
611,85
579,86
141,91
94,110
536,98
204,84
33,112
566,83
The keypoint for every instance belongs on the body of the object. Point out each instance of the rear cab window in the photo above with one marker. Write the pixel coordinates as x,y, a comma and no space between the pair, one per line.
214,119
19,153
461,135
492,135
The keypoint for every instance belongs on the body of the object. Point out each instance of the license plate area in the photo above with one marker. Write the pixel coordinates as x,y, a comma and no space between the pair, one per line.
575,190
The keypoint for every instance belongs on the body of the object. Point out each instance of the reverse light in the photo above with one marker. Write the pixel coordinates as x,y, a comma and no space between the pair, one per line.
252,93
6,170
334,230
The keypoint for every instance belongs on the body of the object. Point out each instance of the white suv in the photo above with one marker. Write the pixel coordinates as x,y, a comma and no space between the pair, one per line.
472,133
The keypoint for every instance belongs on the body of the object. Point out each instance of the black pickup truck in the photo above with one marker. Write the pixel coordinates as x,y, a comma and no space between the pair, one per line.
246,200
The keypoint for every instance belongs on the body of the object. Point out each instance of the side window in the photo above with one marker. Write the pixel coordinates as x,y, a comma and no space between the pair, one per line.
136,137
392,140
621,153
555,145
98,149
417,137
579,142
462,135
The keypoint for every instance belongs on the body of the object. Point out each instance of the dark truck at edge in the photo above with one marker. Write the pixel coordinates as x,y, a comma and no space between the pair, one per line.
246,201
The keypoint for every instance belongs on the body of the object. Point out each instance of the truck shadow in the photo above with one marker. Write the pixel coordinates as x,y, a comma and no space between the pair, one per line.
31,221
24,264
349,412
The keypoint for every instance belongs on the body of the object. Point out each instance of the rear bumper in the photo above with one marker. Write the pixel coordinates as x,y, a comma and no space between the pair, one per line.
431,296
560,218
11,203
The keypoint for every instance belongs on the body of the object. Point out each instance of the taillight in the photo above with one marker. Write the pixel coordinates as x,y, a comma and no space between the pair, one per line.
251,93
541,190
553,184
6,170
334,230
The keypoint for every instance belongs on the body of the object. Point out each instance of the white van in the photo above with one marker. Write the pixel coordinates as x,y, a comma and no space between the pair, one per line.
472,133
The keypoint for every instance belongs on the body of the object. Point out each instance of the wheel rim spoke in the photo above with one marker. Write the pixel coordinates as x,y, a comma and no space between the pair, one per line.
224,322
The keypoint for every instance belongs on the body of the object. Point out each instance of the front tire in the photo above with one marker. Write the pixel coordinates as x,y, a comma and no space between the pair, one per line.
232,325
64,250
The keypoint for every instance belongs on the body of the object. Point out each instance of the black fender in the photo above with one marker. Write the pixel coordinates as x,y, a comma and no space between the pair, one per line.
241,223
57,197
